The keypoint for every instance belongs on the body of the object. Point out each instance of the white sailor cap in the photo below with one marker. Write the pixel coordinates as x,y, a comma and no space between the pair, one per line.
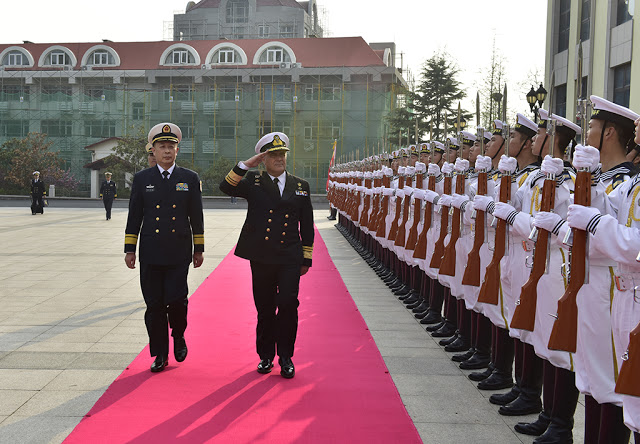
468,138
404,152
148,148
487,136
438,147
452,143
414,150
544,118
604,110
562,124
164,131
497,127
36,173
275,141
525,126
425,147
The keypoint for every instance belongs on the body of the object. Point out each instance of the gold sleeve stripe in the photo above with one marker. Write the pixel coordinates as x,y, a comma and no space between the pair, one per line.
198,239
307,254
131,239
233,178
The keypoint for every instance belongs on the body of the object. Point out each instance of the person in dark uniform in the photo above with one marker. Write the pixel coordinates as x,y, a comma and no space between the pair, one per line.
151,158
277,239
165,208
37,194
108,193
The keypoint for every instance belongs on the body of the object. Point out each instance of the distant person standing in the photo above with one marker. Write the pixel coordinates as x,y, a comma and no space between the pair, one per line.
151,157
277,239
165,208
37,194
108,193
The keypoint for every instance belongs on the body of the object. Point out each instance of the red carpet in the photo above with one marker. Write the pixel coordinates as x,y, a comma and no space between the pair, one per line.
342,391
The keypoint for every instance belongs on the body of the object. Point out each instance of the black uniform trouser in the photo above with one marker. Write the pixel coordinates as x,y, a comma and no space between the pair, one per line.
108,203
164,288
275,293
37,203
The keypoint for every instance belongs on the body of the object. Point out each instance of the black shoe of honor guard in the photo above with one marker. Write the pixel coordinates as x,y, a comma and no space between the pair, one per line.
265,366
180,349
286,368
159,364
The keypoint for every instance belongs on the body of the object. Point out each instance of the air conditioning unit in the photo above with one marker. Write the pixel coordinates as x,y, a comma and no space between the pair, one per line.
296,65
67,68
206,66
87,68
285,65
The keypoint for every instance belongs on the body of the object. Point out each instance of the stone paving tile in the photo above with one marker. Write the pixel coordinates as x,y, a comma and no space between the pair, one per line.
83,380
38,360
23,379
12,400
444,433
106,361
60,403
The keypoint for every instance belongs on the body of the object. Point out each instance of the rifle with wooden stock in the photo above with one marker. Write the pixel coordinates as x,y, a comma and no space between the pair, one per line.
394,225
471,274
490,289
438,248
376,198
381,226
364,215
420,251
402,226
564,335
412,239
524,316
448,265
628,382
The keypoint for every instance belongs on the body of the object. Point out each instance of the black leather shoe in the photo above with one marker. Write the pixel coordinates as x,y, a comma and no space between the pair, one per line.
522,405
179,349
446,331
559,431
286,368
457,346
159,364
435,326
464,356
423,307
415,305
447,341
536,428
481,376
497,381
476,362
432,318
412,299
505,398
421,315
265,366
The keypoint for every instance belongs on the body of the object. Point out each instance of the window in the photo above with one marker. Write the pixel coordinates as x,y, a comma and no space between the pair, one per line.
137,111
101,58
621,84
226,56
180,57
274,54
99,128
561,100
15,58
56,128
224,129
332,92
263,31
311,92
564,19
286,31
14,128
178,94
187,129
622,13
56,93
585,23
283,127
228,93
58,58
99,93
14,93
309,130
278,92
237,11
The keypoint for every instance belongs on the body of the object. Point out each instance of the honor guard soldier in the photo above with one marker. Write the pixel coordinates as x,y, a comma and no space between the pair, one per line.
277,239
37,194
165,209
108,193
151,157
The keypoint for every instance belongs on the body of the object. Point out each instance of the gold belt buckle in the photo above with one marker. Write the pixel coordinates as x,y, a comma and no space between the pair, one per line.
525,246
621,283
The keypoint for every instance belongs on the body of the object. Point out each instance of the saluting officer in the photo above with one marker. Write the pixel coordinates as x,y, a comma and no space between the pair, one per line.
277,239
108,193
166,202
37,194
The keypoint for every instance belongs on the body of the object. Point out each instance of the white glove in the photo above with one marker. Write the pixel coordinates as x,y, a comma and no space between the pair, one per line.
458,199
548,221
402,170
420,168
433,170
447,168
445,200
552,165
410,171
408,191
400,193
418,194
586,157
458,166
507,165
583,218
387,191
464,164
480,202
483,163
430,196
503,210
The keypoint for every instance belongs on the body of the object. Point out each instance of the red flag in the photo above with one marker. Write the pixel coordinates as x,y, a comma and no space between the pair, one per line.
331,162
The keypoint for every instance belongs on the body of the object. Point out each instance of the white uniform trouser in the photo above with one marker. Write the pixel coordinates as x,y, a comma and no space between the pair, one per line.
515,275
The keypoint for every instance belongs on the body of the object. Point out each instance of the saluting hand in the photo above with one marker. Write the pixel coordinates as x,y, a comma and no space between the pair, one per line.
255,160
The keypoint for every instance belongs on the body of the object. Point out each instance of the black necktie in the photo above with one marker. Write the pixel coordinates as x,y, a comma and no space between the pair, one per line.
165,175
275,182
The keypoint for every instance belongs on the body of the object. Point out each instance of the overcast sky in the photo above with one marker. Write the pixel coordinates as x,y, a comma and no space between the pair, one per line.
464,28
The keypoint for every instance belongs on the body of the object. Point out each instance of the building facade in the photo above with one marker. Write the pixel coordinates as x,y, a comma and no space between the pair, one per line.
247,19
609,36
224,95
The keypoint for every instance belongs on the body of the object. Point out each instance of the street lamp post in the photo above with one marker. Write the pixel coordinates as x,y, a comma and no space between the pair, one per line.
535,99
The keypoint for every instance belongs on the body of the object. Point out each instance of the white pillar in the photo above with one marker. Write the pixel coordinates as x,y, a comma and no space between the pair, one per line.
94,184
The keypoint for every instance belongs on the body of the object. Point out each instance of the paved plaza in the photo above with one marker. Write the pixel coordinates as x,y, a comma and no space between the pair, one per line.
71,320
